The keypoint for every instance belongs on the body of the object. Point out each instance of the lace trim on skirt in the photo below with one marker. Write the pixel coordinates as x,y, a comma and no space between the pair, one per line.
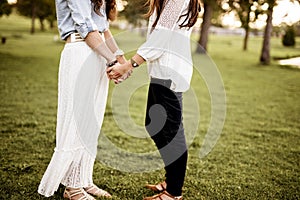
71,168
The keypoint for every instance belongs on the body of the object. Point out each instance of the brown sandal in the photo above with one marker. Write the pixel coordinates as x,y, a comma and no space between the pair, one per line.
161,197
95,191
76,194
158,188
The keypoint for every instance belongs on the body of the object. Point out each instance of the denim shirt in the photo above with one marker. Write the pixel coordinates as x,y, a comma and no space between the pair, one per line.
79,16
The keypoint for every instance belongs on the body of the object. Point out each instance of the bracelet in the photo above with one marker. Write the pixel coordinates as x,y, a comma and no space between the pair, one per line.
133,63
119,52
110,64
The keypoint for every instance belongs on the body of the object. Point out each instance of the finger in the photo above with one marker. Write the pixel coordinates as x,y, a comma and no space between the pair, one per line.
120,80
108,70
111,74
116,75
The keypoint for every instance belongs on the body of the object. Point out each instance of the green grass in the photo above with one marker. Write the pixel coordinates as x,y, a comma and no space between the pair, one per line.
256,157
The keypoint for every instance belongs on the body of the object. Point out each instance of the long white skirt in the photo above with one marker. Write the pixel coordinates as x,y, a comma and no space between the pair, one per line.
82,96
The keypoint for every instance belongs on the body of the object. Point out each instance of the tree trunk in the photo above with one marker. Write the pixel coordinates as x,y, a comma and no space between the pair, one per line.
247,29
51,22
33,15
42,24
245,47
203,40
265,57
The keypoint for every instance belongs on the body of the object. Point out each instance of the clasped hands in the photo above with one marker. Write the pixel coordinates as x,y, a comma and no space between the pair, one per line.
120,72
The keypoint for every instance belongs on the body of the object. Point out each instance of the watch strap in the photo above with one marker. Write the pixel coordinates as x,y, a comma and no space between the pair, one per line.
133,63
110,64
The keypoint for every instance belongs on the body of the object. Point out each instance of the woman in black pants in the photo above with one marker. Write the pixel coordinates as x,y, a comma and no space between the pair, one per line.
168,53
170,140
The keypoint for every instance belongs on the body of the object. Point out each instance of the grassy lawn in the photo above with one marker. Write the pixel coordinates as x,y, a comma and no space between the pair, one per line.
256,157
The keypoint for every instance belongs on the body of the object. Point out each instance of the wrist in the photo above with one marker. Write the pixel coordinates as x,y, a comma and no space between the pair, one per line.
110,59
119,53
129,65
103,51
133,63
121,59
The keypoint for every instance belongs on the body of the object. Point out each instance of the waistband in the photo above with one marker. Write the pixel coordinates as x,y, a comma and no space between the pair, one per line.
164,82
74,37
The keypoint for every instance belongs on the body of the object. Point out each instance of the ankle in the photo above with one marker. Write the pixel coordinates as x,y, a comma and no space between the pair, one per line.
172,196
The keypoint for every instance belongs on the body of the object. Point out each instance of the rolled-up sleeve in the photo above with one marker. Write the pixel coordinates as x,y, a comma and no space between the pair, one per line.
155,45
158,41
81,13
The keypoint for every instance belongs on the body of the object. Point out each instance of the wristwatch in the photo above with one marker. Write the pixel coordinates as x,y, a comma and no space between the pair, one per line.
110,64
133,63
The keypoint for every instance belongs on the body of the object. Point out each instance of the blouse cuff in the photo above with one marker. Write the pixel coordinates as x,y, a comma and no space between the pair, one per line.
156,44
149,53
85,28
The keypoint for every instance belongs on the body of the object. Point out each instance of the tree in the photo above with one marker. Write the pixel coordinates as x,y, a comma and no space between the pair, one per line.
265,57
46,10
51,17
243,8
288,39
40,9
209,7
28,9
204,32
134,11
5,8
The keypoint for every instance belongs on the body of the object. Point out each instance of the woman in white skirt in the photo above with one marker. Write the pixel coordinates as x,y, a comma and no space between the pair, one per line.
82,94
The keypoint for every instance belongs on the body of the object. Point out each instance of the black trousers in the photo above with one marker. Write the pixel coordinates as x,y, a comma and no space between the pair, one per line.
164,124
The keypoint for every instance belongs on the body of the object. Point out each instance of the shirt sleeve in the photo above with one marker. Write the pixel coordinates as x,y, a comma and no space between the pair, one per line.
159,38
81,13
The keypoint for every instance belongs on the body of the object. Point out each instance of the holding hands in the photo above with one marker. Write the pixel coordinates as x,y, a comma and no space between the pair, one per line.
120,60
120,71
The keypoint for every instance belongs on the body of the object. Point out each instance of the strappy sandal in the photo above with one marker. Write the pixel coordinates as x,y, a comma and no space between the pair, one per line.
95,191
77,194
161,197
158,188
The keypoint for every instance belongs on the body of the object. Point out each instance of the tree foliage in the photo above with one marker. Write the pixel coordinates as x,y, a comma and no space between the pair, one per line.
41,9
134,11
247,12
288,39
5,8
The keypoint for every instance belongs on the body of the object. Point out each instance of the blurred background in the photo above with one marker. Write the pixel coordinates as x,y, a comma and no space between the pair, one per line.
279,18
254,44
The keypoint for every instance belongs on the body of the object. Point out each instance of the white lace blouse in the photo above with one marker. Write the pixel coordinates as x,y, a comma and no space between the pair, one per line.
167,49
